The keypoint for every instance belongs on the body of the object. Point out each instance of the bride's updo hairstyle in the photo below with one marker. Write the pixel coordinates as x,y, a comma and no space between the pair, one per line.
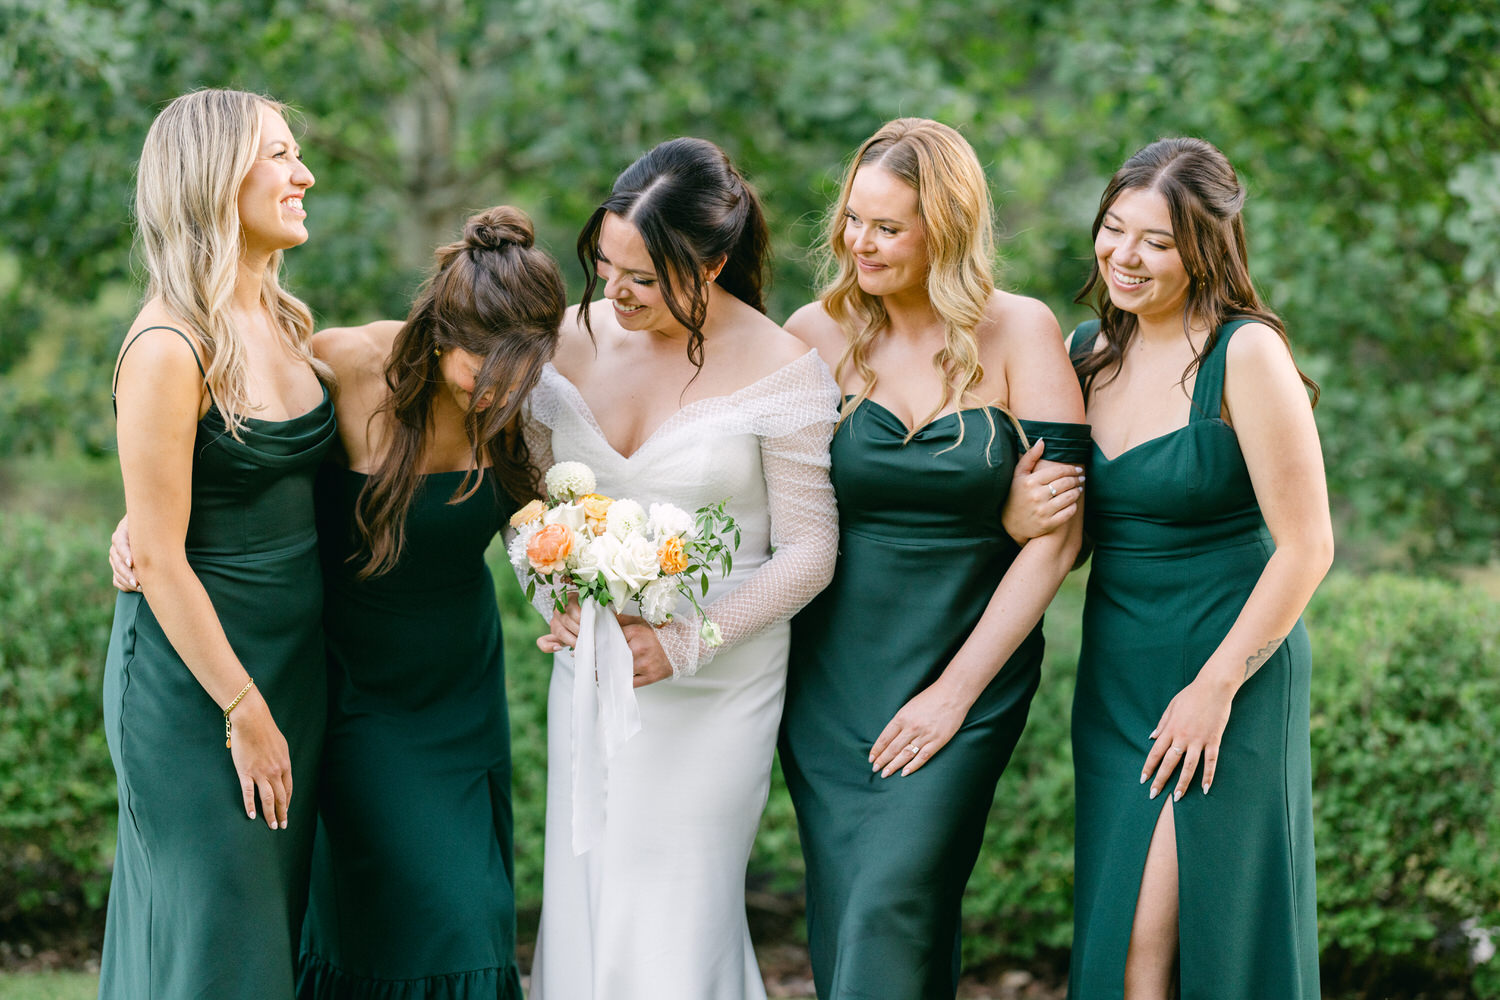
498,296
1205,201
691,207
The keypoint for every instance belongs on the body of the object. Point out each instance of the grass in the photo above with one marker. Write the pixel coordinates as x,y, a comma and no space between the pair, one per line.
49,985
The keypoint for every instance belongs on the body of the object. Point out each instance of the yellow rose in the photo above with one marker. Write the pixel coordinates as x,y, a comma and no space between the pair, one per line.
531,512
670,556
595,508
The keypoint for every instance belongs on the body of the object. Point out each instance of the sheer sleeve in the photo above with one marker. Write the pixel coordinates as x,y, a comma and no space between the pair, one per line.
803,408
538,439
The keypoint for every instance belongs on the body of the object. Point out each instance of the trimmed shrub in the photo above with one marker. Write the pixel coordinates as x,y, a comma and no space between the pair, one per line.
57,788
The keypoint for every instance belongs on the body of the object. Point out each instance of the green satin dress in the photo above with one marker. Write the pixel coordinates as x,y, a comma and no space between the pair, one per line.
205,902
921,551
413,873
1179,542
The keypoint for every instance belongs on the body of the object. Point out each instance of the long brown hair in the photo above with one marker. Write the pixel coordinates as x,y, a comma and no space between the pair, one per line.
497,296
691,207
1204,201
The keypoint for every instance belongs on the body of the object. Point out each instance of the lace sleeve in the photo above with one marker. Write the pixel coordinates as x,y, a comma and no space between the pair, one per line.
804,526
538,439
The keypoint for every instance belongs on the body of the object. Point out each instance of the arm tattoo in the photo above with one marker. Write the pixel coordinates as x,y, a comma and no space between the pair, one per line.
1254,663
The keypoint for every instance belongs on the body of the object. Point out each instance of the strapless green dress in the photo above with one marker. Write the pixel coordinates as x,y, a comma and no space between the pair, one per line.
413,872
1179,543
921,550
205,902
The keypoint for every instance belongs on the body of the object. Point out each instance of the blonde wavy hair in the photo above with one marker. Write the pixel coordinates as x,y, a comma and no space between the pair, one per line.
953,202
197,153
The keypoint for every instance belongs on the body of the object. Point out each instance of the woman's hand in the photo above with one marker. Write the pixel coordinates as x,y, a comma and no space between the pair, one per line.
120,563
261,759
564,625
1043,496
922,728
649,660
1190,730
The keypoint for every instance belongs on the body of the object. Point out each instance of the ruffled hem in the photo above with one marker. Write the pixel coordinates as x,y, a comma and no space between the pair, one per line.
317,980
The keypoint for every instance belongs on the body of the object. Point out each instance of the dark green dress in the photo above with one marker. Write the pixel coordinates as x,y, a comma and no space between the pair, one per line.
1179,542
205,902
921,551
412,888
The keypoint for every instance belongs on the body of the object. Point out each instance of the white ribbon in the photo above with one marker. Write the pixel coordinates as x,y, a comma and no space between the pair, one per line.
605,716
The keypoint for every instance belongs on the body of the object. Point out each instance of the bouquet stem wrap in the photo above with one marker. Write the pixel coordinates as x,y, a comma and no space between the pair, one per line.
605,715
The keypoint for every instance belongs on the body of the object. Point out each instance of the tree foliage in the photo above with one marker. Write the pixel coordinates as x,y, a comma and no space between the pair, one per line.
1366,131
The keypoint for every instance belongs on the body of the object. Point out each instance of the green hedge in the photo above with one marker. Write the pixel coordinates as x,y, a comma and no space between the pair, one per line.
1406,729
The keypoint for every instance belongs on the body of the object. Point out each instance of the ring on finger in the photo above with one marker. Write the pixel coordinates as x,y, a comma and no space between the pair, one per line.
1175,750
913,749
1052,489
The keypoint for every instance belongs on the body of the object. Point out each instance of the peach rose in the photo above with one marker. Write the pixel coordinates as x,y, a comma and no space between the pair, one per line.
531,512
595,508
548,549
671,557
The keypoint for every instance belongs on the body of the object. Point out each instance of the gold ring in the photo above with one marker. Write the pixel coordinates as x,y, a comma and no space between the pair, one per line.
913,749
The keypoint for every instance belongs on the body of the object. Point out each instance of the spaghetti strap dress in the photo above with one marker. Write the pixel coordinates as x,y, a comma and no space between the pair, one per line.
205,902
921,551
413,892
1179,543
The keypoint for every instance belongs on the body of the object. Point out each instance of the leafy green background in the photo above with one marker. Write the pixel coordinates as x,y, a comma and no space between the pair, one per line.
1367,132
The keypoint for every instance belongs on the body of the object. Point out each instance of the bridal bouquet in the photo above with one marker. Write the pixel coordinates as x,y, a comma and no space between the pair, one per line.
616,552
613,553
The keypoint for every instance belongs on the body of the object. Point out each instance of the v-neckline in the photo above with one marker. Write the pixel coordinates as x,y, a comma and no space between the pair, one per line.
914,432
593,421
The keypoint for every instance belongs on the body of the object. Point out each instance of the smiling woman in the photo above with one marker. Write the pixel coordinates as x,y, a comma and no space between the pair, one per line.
222,421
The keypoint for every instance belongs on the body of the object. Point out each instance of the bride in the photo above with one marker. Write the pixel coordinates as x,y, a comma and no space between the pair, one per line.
676,388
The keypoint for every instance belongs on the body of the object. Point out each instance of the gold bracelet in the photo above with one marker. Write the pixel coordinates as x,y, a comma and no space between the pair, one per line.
228,727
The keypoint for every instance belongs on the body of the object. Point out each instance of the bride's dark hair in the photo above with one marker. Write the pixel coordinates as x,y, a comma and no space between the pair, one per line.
497,296
691,207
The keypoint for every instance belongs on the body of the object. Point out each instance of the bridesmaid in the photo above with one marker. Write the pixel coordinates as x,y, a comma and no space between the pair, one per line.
1209,517
911,675
413,890
432,465
213,686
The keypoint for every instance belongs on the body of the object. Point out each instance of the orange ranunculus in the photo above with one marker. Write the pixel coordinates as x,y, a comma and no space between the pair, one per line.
548,549
670,556
595,508
531,512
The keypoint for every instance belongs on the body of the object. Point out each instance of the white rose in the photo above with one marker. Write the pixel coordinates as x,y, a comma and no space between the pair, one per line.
658,600
588,554
581,540
625,518
667,520
570,515
517,550
570,480
628,566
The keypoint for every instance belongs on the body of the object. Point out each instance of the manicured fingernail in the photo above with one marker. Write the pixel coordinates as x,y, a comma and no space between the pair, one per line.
1078,469
1153,734
252,813
1144,776
1205,789
1177,795
1154,791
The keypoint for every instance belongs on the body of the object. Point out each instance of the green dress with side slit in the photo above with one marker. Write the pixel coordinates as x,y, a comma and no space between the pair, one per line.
1179,543
206,902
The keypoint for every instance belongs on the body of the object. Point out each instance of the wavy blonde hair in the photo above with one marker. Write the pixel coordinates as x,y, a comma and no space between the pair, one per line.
188,233
953,202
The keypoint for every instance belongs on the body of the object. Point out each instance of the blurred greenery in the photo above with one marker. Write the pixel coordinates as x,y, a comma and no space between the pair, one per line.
1366,132
1368,136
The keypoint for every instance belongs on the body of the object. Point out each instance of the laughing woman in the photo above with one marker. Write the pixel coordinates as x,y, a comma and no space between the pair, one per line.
213,688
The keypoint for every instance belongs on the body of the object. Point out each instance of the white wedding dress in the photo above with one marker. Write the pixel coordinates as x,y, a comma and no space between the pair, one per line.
656,911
